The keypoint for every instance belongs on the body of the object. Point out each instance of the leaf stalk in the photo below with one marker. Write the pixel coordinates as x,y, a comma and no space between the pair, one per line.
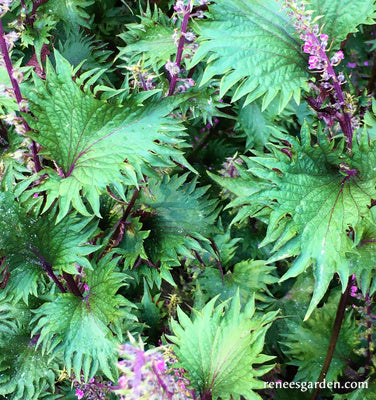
334,337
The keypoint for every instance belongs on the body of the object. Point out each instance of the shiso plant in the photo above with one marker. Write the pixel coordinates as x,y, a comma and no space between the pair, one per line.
187,199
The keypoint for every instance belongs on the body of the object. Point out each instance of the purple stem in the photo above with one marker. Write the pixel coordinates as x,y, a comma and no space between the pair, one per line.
48,268
118,234
215,248
179,54
36,4
206,395
9,66
341,309
72,285
160,381
17,93
113,195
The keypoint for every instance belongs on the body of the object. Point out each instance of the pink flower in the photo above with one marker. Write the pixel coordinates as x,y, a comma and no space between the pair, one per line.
308,45
80,394
172,67
313,62
161,365
123,381
354,289
324,40
337,58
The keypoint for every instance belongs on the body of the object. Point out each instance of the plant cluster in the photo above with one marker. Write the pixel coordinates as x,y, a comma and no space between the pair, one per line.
187,199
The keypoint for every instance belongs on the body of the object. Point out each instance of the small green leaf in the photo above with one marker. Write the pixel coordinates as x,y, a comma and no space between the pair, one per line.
132,245
151,40
249,277
71,12
364,261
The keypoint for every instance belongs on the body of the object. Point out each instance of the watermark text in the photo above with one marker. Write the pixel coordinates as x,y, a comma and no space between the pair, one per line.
304,386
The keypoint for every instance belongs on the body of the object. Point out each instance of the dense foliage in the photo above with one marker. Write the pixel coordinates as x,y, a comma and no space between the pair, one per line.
187,199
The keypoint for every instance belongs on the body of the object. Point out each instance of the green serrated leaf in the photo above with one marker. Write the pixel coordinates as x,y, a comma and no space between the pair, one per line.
180,212
132,245
32,245
253,44
19,377
90,139
342,17
363,262
150,40
308,343
71,12
79,327
218,349
249,277
313,203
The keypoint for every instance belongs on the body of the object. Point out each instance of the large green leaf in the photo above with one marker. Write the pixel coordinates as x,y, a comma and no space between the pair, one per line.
82,328
341,17
316,196
218,349
90,139
254,45
33,245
